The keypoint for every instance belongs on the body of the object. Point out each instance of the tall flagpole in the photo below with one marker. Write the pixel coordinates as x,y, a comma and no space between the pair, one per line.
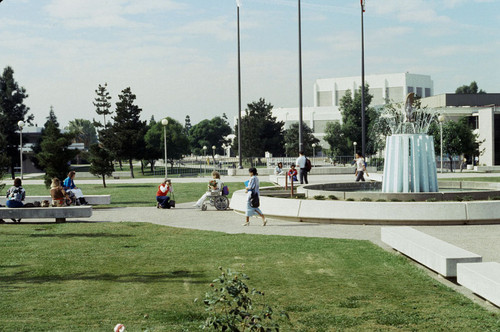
301,145
363,126
240,165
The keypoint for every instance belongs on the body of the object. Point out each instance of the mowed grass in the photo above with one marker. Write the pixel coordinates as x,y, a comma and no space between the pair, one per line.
89,277
123,195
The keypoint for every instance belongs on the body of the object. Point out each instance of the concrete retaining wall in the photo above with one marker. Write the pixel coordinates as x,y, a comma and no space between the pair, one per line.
382,213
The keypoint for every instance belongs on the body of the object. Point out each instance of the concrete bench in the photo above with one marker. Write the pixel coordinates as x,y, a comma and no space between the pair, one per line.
59,213
481,278
435,254
91,199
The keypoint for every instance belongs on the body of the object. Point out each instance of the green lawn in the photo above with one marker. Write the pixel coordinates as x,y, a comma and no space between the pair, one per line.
89,277
141,194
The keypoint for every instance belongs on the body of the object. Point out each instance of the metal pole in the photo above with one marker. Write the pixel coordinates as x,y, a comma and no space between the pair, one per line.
363,126
301,146
441,141
21,150
165,142
240,164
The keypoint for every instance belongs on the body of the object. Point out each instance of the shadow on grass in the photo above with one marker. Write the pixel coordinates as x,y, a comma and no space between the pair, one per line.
90,235
186,277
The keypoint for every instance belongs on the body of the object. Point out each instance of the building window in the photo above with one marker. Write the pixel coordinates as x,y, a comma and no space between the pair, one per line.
419,92
410,89
427,92
324,98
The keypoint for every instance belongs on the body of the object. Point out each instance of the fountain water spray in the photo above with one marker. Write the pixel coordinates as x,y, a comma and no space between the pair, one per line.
410,163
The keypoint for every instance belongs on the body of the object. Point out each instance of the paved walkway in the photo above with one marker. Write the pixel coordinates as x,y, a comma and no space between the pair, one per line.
480,239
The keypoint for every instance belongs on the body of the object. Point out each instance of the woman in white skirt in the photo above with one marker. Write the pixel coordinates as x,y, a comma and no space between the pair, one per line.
253,188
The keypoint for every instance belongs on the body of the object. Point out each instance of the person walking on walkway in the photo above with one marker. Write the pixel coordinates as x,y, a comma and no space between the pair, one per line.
301,164
252,189
360,167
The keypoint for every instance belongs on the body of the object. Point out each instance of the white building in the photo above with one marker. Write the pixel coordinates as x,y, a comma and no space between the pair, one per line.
328,92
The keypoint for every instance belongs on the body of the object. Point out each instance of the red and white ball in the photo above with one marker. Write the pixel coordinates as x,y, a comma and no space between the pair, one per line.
119,328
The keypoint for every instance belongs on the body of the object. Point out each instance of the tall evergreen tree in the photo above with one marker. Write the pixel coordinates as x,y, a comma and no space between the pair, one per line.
101,162
125,137
12,110
260,131
54,156
187,125
102,104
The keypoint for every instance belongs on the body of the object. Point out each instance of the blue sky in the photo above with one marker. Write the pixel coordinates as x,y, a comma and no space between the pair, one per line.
179,57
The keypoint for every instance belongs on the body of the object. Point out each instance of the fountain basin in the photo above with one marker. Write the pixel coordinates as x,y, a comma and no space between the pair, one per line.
450,191
376,213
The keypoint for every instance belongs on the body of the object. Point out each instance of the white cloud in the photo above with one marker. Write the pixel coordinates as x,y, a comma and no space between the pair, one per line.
419,11
97,13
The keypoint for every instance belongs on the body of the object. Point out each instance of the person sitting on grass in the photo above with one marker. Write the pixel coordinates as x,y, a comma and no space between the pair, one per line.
15,197
214,185
292,173
58,194
162,196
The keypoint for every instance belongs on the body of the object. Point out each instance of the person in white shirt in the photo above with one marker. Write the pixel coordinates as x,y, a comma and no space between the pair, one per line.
360,168
301,165
215,185
279,169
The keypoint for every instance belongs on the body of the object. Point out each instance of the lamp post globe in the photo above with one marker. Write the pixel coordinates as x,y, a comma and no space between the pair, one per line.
314,151
164,122
354,144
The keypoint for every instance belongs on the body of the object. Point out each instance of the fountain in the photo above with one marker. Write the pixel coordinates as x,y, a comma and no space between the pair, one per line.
410,163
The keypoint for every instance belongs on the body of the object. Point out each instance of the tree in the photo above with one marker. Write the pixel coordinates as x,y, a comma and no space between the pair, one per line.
292,140
54,156
101,162
458,139
12,110
260,132
83,131
125,137
472,88
187,125
177,142
336,139
209,133
102,104
4,160
350,109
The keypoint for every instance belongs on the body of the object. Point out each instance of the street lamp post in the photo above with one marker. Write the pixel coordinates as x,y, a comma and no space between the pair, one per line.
363,126
301,147
240,165
164,122
354,144
314,151
21,125
204,157
286,151
441,119
213,154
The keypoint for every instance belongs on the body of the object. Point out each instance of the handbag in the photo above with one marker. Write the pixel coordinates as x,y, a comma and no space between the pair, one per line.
254,200
172,201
